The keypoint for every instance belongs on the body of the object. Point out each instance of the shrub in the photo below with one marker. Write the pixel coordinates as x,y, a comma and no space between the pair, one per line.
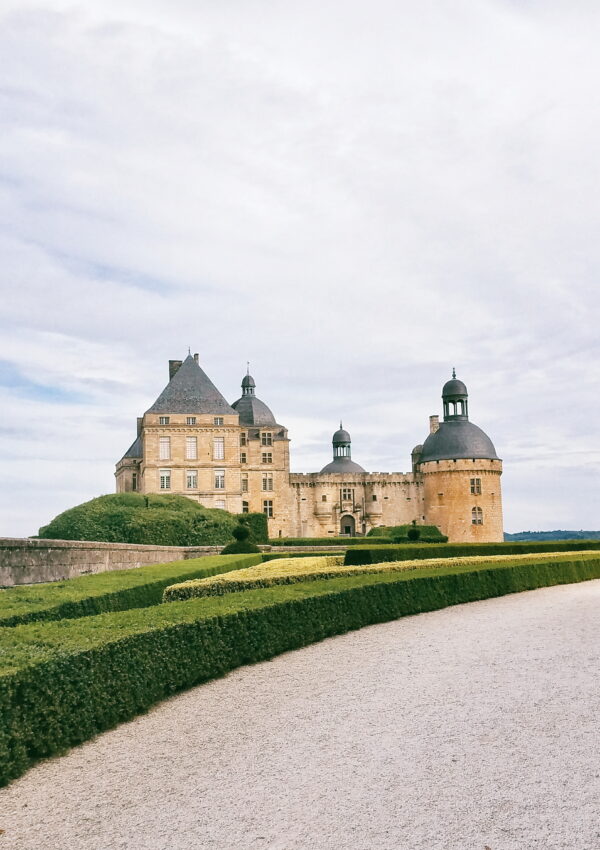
375,554
61,683
163,520
111,591
293,570
400,534
323,541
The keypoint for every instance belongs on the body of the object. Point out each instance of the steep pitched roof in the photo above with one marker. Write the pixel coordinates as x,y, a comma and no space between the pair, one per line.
190,390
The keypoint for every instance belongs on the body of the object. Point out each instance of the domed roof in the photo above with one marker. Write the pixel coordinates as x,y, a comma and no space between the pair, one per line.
341,436
253,411
458,439
343,465
454,387
248,381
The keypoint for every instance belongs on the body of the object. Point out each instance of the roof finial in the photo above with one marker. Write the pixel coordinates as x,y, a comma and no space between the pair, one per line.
247,367
453,372
189,350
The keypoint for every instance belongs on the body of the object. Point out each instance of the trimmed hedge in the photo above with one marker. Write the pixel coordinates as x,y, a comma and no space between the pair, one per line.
399,533
62,683
324,541
158,519
293,570
392,552
117,590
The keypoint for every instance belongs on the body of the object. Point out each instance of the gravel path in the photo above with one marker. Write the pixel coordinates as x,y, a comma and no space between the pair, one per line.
467,728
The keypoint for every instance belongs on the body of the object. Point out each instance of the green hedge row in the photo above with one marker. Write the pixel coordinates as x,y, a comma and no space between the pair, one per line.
428,533
271,556
117,590
379,553
62,683
324,541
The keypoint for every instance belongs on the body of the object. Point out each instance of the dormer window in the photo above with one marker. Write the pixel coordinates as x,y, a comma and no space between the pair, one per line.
191,420
266,438
164,420
218,420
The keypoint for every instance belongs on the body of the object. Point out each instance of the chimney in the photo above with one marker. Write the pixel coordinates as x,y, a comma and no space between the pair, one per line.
174,367
196,357
139,425
434,424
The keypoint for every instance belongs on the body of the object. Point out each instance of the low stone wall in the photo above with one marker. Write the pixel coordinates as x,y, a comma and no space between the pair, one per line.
26,561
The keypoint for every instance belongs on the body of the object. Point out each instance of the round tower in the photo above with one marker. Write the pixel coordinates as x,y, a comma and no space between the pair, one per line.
461,474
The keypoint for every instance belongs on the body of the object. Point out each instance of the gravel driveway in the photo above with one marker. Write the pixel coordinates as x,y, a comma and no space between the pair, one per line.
469,728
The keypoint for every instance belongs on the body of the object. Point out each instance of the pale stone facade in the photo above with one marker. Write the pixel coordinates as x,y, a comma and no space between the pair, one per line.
192,442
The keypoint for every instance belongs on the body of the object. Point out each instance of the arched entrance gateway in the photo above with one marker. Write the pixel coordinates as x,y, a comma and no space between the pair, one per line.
348,525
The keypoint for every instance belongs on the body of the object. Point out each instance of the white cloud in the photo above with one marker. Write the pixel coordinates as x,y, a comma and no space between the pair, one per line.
354,198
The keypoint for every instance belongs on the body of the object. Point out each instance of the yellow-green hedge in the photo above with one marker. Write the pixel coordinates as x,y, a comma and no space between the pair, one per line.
292,570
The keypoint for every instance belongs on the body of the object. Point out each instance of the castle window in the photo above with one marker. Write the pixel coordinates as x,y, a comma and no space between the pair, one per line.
244,482
266,439
218,420
191,479
267,457
164,420
191,420
191,448
268,507
347,494
219,448
220,503
374,498
476,486
219,479
243,457
243,439
477,516
323,498
164,448
134,481
165,479
245,508
267,481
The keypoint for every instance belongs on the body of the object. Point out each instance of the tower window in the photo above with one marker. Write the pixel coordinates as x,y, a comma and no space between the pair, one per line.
323,498
219,479
477,516
243,439
266,439
245,508
374,497
267,481
268,507
165,479
164,420
476,486
347,494
164,448
244,482
191,420
191,448
243,457
191,479
134,481
267,457
219,448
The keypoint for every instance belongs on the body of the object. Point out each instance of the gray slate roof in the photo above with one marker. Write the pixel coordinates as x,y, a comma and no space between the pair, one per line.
253,411
343,465
190,390
135,449
458,439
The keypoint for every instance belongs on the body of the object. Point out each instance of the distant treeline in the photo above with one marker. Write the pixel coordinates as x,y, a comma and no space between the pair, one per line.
553,535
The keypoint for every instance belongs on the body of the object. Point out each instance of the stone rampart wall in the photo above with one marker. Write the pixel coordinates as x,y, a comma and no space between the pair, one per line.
26,561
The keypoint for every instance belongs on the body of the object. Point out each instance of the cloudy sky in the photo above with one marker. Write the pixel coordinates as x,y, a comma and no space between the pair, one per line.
353,196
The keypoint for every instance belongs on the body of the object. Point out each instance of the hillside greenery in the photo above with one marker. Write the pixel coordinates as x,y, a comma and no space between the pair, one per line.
553,535
160,520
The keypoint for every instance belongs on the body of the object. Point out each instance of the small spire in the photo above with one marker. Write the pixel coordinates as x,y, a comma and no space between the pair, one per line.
341,426
453,372
247,367
189,350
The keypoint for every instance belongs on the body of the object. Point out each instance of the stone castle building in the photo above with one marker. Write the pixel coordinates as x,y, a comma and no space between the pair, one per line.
192,442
